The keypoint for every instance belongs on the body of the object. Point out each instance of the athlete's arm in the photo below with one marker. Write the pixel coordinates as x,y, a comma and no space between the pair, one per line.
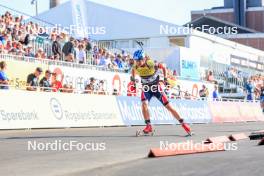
164,70
133,74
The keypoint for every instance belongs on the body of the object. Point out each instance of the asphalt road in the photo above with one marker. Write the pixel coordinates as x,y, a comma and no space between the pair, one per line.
117,152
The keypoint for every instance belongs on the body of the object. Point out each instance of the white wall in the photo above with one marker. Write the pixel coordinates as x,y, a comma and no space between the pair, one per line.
159,42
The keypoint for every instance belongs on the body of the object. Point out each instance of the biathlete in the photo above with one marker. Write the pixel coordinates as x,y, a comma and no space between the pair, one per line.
151,86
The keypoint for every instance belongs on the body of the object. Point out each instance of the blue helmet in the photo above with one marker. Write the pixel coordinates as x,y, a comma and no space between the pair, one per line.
138,55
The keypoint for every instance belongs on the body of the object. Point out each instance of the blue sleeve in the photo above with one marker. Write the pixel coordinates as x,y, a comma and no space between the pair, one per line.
2,76
214,94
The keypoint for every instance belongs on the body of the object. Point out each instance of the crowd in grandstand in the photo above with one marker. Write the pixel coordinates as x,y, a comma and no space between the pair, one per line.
16,38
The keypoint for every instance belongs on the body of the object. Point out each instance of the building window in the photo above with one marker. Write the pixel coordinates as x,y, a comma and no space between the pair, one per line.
144,41
122,44
177,41
105,44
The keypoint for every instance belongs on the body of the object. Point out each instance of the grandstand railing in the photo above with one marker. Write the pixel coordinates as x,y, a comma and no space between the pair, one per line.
46,44
9,57
219,72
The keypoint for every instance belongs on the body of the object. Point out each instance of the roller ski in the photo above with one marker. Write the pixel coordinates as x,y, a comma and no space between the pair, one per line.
147,131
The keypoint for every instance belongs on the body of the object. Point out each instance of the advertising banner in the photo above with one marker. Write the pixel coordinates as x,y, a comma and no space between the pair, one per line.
60,110
189,63
79,18
250,111
235,111
191,111
52,110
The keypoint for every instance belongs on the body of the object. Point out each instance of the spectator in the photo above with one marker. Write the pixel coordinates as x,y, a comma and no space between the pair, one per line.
178,92
228,74
88,45
115,92
51,57
40,54
56,84
56,47
32,79
90,88
119,62
19,48
174,73
95,53
126,66
187,95
68,50
101,90
2,50
215,93
67,88
103,59
3,39
204,92
80,54
45,82
28,51
8,45
3,77
112,65
130,64
75,48
70,89
210,77
250,90
42,33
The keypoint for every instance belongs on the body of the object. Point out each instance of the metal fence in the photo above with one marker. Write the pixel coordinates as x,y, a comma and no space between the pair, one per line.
8,57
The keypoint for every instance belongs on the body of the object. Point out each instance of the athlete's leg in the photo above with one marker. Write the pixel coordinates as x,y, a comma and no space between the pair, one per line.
164,100
173,112
145,98
161,96
145,110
